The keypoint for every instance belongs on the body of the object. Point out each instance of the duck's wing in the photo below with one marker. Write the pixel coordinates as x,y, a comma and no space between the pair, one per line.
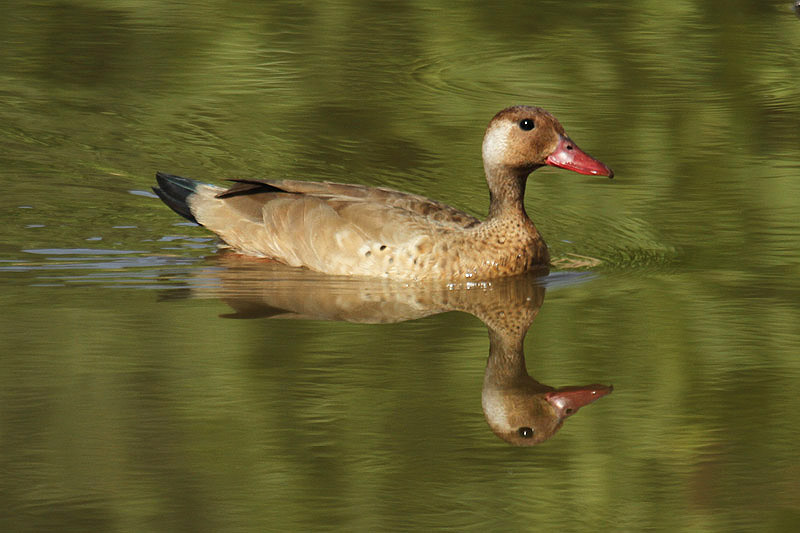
333,228
431,209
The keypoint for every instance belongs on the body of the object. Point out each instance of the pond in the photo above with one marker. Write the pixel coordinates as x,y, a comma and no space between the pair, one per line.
152,381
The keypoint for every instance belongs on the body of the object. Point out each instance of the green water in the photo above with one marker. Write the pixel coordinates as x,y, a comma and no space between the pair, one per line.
146,383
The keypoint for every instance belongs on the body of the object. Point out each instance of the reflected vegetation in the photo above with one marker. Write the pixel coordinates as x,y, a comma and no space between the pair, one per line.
121,411
518,408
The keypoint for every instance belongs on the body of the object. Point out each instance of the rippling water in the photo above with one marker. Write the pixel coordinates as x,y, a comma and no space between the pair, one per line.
150,381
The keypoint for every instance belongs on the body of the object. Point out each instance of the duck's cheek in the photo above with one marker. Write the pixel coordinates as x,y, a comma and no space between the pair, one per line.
496,143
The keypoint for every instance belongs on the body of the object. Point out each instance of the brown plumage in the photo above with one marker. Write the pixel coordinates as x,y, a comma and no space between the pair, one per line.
364,231
518,408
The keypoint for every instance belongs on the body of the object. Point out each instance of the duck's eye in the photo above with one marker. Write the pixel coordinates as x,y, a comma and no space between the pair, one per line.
527,124
525,433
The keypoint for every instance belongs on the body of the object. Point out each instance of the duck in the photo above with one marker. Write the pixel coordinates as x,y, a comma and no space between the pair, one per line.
357,230
518,408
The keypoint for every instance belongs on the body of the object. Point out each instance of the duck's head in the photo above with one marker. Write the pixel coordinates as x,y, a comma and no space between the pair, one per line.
521,139
528,413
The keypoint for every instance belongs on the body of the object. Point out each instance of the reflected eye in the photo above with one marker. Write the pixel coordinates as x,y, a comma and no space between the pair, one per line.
525,433
527,124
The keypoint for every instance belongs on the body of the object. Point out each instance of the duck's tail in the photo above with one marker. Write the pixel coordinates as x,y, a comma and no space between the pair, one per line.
174,191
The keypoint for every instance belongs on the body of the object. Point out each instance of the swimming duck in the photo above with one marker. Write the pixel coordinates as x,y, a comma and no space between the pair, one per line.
518,408
357,230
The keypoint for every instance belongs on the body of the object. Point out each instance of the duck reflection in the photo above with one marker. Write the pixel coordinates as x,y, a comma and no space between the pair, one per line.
519,409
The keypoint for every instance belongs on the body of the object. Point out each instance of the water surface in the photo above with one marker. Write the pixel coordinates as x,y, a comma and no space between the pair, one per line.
150,382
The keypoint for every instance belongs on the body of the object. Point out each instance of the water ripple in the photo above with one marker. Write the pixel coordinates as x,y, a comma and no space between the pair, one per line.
465,76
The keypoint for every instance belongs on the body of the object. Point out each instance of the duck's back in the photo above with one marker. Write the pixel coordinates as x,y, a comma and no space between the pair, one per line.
380,197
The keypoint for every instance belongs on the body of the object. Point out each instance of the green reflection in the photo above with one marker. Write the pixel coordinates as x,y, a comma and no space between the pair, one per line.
123,413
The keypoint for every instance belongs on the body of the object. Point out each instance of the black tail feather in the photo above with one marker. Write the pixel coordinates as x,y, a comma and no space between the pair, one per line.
174,191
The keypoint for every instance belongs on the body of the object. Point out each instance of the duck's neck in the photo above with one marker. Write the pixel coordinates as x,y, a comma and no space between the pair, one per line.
506,192
505,367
